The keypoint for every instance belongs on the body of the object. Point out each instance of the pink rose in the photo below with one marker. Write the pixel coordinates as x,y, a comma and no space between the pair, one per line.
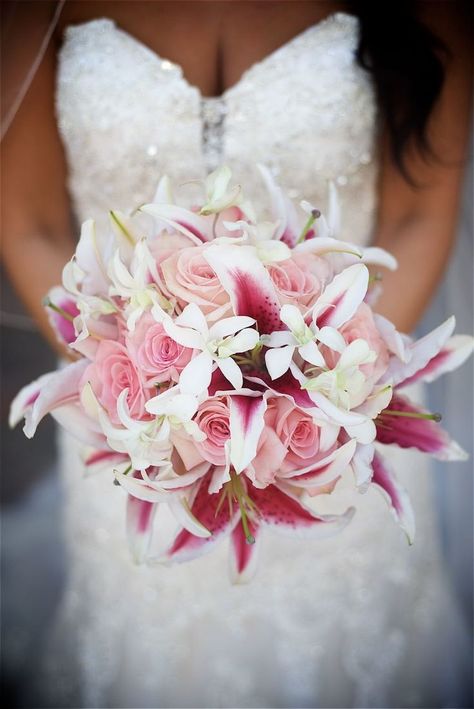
294,281
164,245
111,372
212,418
362,325
290,441
158,357
190,279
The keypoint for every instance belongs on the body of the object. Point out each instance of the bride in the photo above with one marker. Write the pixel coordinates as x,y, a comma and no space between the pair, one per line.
129,91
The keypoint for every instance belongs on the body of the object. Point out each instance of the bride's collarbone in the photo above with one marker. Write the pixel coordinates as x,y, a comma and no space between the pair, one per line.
214,43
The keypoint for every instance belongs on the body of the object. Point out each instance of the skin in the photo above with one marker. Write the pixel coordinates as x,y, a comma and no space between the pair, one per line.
417,226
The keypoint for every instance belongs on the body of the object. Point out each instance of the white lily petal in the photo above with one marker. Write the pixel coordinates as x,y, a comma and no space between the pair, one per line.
246,426
180,508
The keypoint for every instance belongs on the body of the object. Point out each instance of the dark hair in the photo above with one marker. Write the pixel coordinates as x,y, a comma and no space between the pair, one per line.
407,67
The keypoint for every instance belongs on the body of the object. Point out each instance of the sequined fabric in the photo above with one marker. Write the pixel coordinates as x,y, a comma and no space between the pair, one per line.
352,621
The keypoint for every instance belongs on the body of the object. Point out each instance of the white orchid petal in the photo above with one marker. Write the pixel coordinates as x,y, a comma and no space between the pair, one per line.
196,376
184,336
231,372
278,360
229,326
311,354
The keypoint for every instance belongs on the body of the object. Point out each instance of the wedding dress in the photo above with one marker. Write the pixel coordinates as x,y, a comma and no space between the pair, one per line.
359,619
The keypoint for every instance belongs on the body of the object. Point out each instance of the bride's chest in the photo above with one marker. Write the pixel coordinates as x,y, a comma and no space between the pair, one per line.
127,116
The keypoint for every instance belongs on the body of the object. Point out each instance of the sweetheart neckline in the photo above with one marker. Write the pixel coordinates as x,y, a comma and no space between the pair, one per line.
321,24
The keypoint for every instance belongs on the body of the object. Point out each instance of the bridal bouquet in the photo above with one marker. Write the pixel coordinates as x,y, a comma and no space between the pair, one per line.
232,368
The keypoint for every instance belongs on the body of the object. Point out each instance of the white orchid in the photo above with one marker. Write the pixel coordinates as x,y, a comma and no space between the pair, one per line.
175,410
219,196
262,237
344,385
133,284
217,345
145,442
283,344
337,303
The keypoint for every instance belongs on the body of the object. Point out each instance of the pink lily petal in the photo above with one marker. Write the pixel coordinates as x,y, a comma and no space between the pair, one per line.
75,421
243,556
248,284
341,298
246,426
282,209
407,432
395,341
187,546
419,353
45,394
140,514
322,245
100,460
284,512
195,227
454,353
287,385
361,465
396,495
62,325
325,470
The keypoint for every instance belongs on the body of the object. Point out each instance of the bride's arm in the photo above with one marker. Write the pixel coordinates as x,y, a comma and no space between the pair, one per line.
37,234
419,227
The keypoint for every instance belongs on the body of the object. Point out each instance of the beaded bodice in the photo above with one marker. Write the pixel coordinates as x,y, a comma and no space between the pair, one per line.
127,116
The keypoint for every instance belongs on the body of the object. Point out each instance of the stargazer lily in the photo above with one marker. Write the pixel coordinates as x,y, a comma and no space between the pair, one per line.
248,284
217,345
242,511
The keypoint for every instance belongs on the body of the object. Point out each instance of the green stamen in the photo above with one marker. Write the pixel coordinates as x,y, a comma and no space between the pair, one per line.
57,309
412,414
122,228
315,214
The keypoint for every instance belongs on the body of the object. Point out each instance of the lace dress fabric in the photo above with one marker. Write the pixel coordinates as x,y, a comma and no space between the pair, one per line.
357,620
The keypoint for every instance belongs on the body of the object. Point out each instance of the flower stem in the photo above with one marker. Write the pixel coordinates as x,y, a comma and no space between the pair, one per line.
57,309
412,414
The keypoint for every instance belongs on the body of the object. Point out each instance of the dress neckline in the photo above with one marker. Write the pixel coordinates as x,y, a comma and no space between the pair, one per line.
314,28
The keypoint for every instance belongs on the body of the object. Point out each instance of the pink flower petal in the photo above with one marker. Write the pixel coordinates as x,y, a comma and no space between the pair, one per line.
248,284
243,556
396,496
418,354
246,425
140,514
454,353
45,394
284,512
341,298
187,546
408,432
